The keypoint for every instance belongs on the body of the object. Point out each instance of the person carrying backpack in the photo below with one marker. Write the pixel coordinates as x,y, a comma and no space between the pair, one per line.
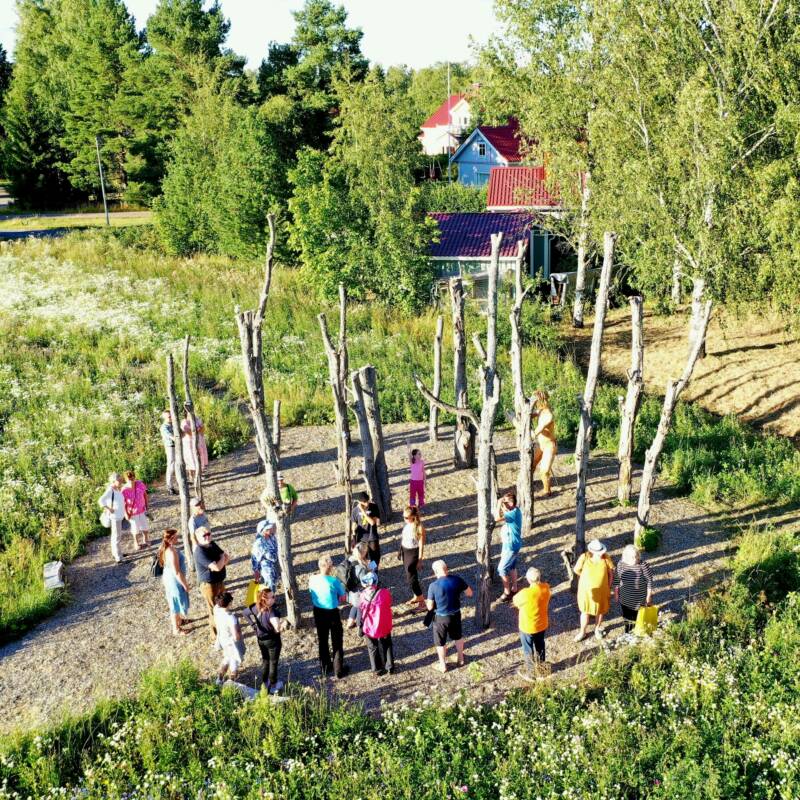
511,535
263,616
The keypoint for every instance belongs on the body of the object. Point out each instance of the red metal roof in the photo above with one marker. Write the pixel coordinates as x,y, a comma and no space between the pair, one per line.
511,187
468,235
442,114
504,139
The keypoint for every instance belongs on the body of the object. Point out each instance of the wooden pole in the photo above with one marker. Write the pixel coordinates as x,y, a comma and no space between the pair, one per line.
276,427
673,391
188,405
368,379
587,400
369,469
180,464
433,422
630,406
464,440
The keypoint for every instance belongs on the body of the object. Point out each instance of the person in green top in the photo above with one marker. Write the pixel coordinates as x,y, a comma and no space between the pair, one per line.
289,498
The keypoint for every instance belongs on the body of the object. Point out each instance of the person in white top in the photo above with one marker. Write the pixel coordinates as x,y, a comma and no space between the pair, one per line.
229,638
412,549
113,504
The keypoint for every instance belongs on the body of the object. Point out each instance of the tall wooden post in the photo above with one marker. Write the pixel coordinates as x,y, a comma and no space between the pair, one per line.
250,336
433,422
180,464
587,400
276,427
369,469
583,246
464,441
630,406
369,385
188,405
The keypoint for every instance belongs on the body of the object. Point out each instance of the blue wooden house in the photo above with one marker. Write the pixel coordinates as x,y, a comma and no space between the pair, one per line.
486,147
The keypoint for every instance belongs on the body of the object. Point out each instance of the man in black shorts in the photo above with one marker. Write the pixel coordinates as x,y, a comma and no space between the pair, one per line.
444,595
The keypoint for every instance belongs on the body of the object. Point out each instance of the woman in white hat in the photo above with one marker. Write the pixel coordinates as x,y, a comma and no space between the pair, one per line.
596,571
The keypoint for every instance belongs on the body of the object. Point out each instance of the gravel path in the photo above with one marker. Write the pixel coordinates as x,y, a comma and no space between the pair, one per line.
117,626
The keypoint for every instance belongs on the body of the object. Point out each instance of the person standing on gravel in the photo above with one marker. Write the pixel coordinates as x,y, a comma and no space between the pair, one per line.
532,604
375,606
633,585
197,515
444,596
596,572
136,505
365,520
168,440
264,555
210,561
511,518
113,504
327,592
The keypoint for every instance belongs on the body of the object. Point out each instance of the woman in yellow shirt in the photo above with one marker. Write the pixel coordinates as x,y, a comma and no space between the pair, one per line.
545,436
596,571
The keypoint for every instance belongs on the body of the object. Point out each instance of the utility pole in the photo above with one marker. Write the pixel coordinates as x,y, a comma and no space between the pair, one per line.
449,145
102,181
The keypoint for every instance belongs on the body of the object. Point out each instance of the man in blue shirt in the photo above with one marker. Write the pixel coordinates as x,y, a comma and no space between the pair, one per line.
511,535
444,596
327,592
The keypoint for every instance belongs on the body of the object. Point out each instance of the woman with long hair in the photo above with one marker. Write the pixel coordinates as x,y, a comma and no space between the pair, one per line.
187,443
412,549
263,616
362,564
176,587
134,493
545,436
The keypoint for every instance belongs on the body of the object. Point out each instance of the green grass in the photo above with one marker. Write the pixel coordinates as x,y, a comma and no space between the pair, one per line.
707,711
49,222
86,321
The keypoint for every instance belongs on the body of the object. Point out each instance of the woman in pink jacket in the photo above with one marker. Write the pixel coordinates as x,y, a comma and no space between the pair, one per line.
376,623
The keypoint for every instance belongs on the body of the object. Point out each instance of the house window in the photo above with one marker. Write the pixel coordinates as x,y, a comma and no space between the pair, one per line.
481,149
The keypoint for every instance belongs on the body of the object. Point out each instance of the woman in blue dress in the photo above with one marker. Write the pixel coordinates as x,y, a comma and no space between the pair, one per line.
176,587
264,555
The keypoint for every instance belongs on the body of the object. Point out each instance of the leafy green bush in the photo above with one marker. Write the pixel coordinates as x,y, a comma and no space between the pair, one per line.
648,540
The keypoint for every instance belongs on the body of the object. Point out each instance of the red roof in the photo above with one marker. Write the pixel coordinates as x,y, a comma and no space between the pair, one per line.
504,139
442,114
511,187
468,235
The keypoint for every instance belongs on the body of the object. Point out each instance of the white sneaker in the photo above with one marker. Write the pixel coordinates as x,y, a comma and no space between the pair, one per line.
276,688
599,633
580,636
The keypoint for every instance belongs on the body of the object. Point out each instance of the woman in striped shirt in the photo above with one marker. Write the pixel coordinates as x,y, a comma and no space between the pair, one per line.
633,585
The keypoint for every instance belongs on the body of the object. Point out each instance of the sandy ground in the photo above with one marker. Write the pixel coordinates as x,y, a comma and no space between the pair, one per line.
752,366
116,626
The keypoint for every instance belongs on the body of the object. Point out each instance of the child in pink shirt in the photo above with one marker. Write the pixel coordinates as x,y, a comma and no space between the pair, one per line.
375,604
416,486
134,493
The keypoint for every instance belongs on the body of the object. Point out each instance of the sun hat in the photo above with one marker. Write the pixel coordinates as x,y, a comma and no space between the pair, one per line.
279,476
596,546
195,502
369,579
264,524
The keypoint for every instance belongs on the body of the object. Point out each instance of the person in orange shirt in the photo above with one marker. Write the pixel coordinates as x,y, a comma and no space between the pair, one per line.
532,604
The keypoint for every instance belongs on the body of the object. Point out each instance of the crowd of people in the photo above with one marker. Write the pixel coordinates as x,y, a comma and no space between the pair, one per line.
356,581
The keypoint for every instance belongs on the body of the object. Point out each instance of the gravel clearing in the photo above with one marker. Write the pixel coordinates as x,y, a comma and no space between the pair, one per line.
116,625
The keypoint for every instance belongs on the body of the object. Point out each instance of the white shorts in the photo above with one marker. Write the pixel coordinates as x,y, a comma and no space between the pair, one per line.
140,524
231,658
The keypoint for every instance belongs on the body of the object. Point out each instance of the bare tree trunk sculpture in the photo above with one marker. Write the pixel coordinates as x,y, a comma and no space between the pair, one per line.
250,336
587,400
671,395
276,428
369,386
348,505
369,469
583,244
630,406
180,464
523,406
337,376
188,406
433,424
464,442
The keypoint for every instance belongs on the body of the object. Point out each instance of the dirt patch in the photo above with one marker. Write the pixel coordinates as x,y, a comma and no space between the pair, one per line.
752,366
117,624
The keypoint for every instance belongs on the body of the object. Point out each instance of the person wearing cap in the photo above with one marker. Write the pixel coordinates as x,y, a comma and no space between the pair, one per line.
596,574
264,555
365,521
113,503
197,515
210,561
375,605
444,597
168,440
532,603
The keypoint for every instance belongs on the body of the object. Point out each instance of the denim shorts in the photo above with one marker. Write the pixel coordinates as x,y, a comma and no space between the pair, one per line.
508,561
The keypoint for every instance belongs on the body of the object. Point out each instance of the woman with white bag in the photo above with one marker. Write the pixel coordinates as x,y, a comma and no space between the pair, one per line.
113,504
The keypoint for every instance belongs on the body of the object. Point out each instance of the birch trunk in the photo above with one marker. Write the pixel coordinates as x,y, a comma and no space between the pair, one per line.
583,243
250,325
523,406
676,282
587,400
337,360
189,408
490,390
630,407
673,392
696,327
369,385
180,464
433,424
369,471
464,443
276,428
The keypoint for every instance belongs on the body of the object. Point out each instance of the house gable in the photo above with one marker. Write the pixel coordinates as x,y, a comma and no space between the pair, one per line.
484,148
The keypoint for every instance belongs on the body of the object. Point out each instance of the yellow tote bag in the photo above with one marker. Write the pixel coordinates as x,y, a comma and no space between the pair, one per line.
252,593
646,620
